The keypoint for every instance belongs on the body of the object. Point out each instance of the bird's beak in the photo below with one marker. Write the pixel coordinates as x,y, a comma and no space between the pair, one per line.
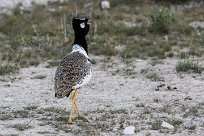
89,22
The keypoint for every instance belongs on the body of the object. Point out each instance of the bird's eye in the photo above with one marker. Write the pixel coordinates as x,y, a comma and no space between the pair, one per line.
82,25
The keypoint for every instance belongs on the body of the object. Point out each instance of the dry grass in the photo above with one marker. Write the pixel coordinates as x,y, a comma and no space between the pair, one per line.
45,33
21,127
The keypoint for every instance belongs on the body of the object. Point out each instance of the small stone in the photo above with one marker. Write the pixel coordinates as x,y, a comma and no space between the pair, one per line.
105,4
167,125
92,87
138,60
157,89
188,98
169,87
129,130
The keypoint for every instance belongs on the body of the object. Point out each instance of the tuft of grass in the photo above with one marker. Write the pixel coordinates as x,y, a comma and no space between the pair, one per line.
150,74
156,100
156,125
5,116
106,117
53,109
147,110
129,71
6,69
161,20
153,77
184,55
21,127
31,107
176,122
156,61
166,108
21,114
44,132
192,111
187,66
13,135
140,105
148,134
191,127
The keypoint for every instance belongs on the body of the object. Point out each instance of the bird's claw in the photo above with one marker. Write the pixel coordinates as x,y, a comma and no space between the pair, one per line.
70,122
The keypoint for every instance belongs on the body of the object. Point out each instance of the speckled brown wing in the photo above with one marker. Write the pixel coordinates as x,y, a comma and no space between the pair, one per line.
71,70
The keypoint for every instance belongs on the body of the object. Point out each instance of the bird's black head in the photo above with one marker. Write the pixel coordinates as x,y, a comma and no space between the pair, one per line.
81,26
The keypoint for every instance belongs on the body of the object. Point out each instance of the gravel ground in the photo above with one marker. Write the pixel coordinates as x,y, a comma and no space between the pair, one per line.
119,95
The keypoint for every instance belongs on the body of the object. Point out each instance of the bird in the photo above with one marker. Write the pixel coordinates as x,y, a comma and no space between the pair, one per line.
75,69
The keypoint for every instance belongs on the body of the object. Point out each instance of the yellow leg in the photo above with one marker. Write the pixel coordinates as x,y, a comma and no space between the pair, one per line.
74,104
77,109
71,112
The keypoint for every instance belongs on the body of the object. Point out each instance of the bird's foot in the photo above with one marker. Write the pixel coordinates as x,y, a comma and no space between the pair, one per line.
70,122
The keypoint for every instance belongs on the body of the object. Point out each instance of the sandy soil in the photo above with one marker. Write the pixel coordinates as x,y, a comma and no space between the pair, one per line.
119,95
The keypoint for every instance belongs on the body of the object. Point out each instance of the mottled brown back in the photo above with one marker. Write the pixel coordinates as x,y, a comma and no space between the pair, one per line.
71,70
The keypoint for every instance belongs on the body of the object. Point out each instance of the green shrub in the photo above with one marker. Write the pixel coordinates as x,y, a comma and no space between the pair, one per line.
188,66
6,69
21,127
153,77
184,55
160,20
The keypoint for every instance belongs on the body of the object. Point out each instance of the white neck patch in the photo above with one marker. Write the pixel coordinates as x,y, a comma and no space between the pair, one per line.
78,48
82,25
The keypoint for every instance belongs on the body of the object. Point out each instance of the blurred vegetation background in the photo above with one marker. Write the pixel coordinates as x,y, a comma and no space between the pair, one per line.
129,28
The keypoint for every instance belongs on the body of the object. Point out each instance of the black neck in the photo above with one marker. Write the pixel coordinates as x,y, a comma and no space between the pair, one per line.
81,40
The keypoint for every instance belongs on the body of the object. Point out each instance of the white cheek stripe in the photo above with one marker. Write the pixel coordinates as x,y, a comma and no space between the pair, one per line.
82,25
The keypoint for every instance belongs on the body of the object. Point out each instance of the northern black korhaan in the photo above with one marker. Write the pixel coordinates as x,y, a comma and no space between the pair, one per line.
74,70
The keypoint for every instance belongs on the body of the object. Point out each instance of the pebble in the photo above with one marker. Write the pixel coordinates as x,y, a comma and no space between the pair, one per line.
105,4
167,125
129,130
